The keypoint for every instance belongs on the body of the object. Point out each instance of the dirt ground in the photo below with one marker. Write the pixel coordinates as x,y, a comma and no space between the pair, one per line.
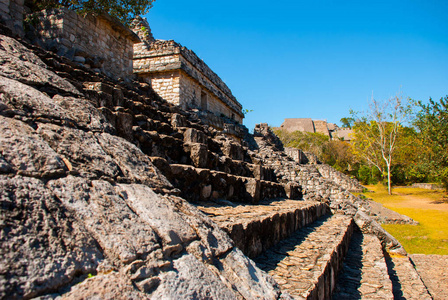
415,201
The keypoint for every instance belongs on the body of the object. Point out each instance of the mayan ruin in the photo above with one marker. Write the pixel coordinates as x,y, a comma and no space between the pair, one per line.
126,173
317,126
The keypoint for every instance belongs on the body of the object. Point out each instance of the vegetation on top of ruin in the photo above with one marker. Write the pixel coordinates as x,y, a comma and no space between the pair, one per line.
124,10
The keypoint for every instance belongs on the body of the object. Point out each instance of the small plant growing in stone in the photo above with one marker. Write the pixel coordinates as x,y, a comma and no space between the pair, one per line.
246,111
145,31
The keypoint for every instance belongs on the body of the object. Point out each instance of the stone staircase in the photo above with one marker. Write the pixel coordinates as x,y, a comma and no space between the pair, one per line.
307,263
295,224
256,228
313,254
364,273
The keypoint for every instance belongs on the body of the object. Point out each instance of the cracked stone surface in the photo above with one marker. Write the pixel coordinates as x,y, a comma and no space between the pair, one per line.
407,283
433,271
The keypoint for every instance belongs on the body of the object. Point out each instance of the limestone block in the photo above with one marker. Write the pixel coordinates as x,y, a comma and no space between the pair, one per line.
31,71
198,154
233,150
122,234
157,212
212,237
33,256
110,285
26,152
82,150
192,135
124,123
191,279
134,164
247,278
84,113
178,120
253,189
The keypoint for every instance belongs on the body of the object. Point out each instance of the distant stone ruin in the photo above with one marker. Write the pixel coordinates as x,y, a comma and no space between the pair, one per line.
317,126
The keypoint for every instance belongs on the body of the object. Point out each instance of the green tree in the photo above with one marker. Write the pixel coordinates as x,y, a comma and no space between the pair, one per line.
338,154
335,153
376,133
124,10
432,122
306,141
347,122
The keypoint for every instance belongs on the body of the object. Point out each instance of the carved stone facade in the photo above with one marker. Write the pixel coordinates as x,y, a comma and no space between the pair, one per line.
180,77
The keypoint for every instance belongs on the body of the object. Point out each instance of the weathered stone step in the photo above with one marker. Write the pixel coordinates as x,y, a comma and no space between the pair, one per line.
199,184
407,283
364,274
305,265
255,228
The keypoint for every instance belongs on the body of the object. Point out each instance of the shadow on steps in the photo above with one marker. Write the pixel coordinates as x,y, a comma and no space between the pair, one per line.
349,280
396,285
280,250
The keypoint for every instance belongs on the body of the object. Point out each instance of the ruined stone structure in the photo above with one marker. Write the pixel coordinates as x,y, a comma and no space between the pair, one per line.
104,45
343,133
109,192
180,77
325,170
101,43
298,124
320,126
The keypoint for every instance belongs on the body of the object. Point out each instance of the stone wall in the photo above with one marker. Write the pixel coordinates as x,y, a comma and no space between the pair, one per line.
141,27
343,133
155,60
298,124
427,186
322,127
167,86
101,43
350,184
315,126
302,157
11,14
294,153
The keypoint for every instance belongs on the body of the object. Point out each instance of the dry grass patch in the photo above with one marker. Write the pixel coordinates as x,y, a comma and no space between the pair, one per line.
428,207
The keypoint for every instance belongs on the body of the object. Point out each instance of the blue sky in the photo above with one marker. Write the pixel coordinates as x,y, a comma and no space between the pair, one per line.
317,58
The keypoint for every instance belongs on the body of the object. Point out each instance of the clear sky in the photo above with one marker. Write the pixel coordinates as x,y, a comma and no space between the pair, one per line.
316,58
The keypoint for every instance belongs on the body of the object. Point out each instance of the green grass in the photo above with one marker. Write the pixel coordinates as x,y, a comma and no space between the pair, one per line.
431,235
